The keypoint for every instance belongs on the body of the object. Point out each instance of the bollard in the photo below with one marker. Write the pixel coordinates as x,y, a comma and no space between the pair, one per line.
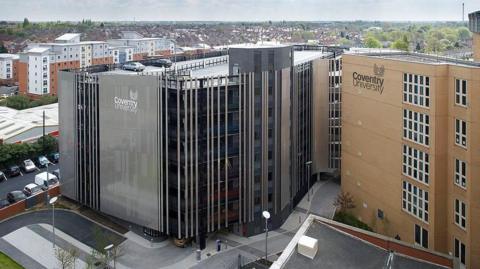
199,254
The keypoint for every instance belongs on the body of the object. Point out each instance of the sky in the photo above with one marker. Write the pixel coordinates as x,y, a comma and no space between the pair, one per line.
236,10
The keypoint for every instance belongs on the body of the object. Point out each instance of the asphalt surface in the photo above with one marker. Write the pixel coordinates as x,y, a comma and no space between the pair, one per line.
69,222
19,182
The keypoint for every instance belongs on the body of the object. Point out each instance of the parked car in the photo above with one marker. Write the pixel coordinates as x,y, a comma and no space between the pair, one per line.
15,196
4,203
161,63
13,171
32,189
29,166
45,180
135,66
42,161
56,172
54,157
2,176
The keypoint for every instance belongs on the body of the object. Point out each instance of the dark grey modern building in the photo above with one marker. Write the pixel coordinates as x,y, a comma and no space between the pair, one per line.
206,145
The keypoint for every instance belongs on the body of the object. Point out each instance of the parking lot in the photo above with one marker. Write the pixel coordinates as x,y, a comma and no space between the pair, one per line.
19,182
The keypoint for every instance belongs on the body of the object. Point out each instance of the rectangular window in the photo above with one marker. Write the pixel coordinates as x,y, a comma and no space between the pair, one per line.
461,133
416,90
460,213
421,236
461,173
416,164
415,201
460,251
416,127
461,92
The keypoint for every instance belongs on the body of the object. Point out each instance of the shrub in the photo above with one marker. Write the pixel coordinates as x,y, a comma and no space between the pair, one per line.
349,219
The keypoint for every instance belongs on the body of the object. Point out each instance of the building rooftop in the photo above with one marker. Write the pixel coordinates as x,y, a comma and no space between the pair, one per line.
8,56
217,66
342,246
303,56
414,57
67,37
24,125
38,50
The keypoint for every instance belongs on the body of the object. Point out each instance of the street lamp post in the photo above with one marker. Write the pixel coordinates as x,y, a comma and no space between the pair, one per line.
52,202
308,179
266,215
107,253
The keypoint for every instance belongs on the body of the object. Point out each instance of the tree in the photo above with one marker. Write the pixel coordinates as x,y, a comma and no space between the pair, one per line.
18,102
3,49
372,42
400,44
464,33
345,42
66,258
26,23
344,201
46,145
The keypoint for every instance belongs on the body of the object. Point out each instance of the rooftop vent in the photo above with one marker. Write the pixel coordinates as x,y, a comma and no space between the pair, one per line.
307,246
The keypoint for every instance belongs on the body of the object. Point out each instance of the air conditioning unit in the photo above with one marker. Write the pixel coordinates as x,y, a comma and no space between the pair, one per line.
307,246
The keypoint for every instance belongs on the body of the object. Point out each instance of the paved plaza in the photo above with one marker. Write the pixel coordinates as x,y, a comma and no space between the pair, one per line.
28,239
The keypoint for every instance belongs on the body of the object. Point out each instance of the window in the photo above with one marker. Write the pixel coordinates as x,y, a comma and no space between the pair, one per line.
415,164
415,201
460,213
416,127
461,173
459,249
421,236
461,133
461,92
416,90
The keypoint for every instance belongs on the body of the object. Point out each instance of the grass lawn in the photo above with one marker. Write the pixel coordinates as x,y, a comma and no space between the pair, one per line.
7,262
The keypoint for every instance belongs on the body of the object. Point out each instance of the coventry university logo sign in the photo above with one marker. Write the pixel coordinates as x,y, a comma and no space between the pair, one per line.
373,83
129,104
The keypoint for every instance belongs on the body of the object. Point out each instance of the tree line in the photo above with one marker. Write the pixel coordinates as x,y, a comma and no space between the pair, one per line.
15,153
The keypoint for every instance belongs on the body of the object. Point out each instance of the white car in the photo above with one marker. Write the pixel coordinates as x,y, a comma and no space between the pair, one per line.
137,67
32,189
29,166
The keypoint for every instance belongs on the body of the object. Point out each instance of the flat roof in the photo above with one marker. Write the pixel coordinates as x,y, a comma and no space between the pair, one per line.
218,69
38,50
338,248
9,56
66,37
258,45
302,56
415,58
15,123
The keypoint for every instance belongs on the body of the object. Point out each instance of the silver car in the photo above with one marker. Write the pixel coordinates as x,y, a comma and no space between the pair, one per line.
137,67
29,166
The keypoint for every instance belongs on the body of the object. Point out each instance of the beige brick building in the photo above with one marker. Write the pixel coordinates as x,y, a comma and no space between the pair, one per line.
411,148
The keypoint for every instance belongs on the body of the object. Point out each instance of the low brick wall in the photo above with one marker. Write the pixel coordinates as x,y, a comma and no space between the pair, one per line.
19,207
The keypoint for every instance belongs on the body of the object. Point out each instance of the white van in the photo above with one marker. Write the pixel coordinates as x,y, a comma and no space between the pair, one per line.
41,180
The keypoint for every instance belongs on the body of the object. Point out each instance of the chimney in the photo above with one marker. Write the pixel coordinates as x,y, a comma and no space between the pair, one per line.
474,26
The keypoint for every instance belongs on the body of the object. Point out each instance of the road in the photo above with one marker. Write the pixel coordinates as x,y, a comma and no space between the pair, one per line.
18,183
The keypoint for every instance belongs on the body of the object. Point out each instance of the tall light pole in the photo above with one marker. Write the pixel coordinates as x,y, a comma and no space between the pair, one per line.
52,202
308,179
266,215
107,253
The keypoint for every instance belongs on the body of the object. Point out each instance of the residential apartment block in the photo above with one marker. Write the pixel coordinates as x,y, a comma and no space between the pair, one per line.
410,136
144,47
8,69
40,63
191,151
